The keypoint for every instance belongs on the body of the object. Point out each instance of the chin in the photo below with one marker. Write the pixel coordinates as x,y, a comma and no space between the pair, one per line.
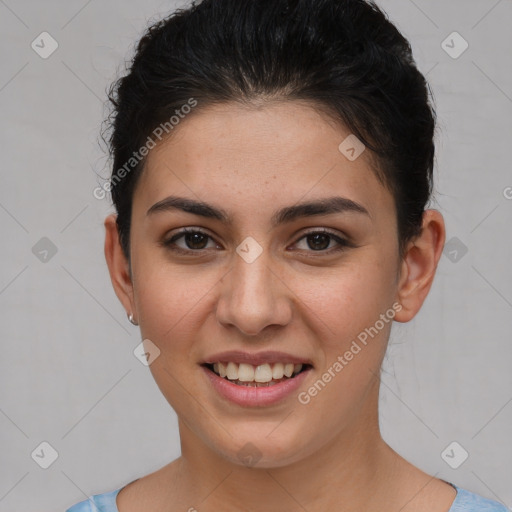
262,448
254,456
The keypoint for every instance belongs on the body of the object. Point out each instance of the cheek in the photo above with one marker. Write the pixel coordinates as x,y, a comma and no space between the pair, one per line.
171,302
169,296
350,340
347,299
176,302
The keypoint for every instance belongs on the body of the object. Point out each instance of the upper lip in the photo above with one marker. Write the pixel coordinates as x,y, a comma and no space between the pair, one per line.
256,358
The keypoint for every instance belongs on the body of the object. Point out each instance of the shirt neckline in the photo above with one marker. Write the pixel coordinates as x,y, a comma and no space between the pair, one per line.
113,495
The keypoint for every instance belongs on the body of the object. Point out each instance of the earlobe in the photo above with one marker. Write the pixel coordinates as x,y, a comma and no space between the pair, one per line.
419,265
118,265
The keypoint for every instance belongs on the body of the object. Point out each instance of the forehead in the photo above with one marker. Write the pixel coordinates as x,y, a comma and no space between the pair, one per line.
278,153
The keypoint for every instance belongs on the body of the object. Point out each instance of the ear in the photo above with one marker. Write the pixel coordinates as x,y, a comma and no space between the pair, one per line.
419,264
118,266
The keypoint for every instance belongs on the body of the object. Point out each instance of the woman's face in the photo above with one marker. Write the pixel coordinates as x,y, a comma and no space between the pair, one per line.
256,282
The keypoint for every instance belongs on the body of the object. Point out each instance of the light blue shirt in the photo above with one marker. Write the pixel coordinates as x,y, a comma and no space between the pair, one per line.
465,501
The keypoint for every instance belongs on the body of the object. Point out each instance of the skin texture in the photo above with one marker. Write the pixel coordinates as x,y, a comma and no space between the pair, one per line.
251,161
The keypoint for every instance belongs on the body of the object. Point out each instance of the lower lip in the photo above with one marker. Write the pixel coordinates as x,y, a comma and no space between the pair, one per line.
248,396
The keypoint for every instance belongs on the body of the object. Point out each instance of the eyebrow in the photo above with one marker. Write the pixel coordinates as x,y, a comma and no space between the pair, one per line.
287,214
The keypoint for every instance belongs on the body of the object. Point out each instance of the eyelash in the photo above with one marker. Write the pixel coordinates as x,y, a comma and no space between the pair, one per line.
170,244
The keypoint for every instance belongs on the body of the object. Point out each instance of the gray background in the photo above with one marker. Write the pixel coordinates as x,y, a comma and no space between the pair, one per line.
68,375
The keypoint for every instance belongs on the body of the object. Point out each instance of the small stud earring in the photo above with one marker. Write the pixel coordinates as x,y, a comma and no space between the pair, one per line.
130,317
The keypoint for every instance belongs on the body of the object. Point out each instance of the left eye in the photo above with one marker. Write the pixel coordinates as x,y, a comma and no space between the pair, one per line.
320,240
196,241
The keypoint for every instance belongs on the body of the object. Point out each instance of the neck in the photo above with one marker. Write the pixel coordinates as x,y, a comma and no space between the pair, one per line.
343,471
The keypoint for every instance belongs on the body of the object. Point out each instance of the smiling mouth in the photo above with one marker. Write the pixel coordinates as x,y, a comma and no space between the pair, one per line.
263,375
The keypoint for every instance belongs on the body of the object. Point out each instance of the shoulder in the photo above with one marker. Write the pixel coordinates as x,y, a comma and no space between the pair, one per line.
466,501
105,502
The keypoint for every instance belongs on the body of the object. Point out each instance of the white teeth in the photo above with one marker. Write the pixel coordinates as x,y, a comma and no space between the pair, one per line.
288,369
278,371
245,372
264,373
232,371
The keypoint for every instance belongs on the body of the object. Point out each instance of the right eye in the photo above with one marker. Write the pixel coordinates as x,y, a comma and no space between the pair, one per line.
193,237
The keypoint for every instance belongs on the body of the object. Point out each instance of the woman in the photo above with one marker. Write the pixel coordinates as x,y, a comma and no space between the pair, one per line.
272,165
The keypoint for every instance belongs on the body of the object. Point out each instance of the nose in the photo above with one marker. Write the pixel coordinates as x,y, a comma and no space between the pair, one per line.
254,296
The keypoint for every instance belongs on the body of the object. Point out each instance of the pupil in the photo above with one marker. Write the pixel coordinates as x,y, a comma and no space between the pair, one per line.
325,237
194,237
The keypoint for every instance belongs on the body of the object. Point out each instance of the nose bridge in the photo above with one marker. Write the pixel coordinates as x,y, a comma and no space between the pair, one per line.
253,296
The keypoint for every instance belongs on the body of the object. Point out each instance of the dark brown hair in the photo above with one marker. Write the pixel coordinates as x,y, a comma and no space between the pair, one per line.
344,56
